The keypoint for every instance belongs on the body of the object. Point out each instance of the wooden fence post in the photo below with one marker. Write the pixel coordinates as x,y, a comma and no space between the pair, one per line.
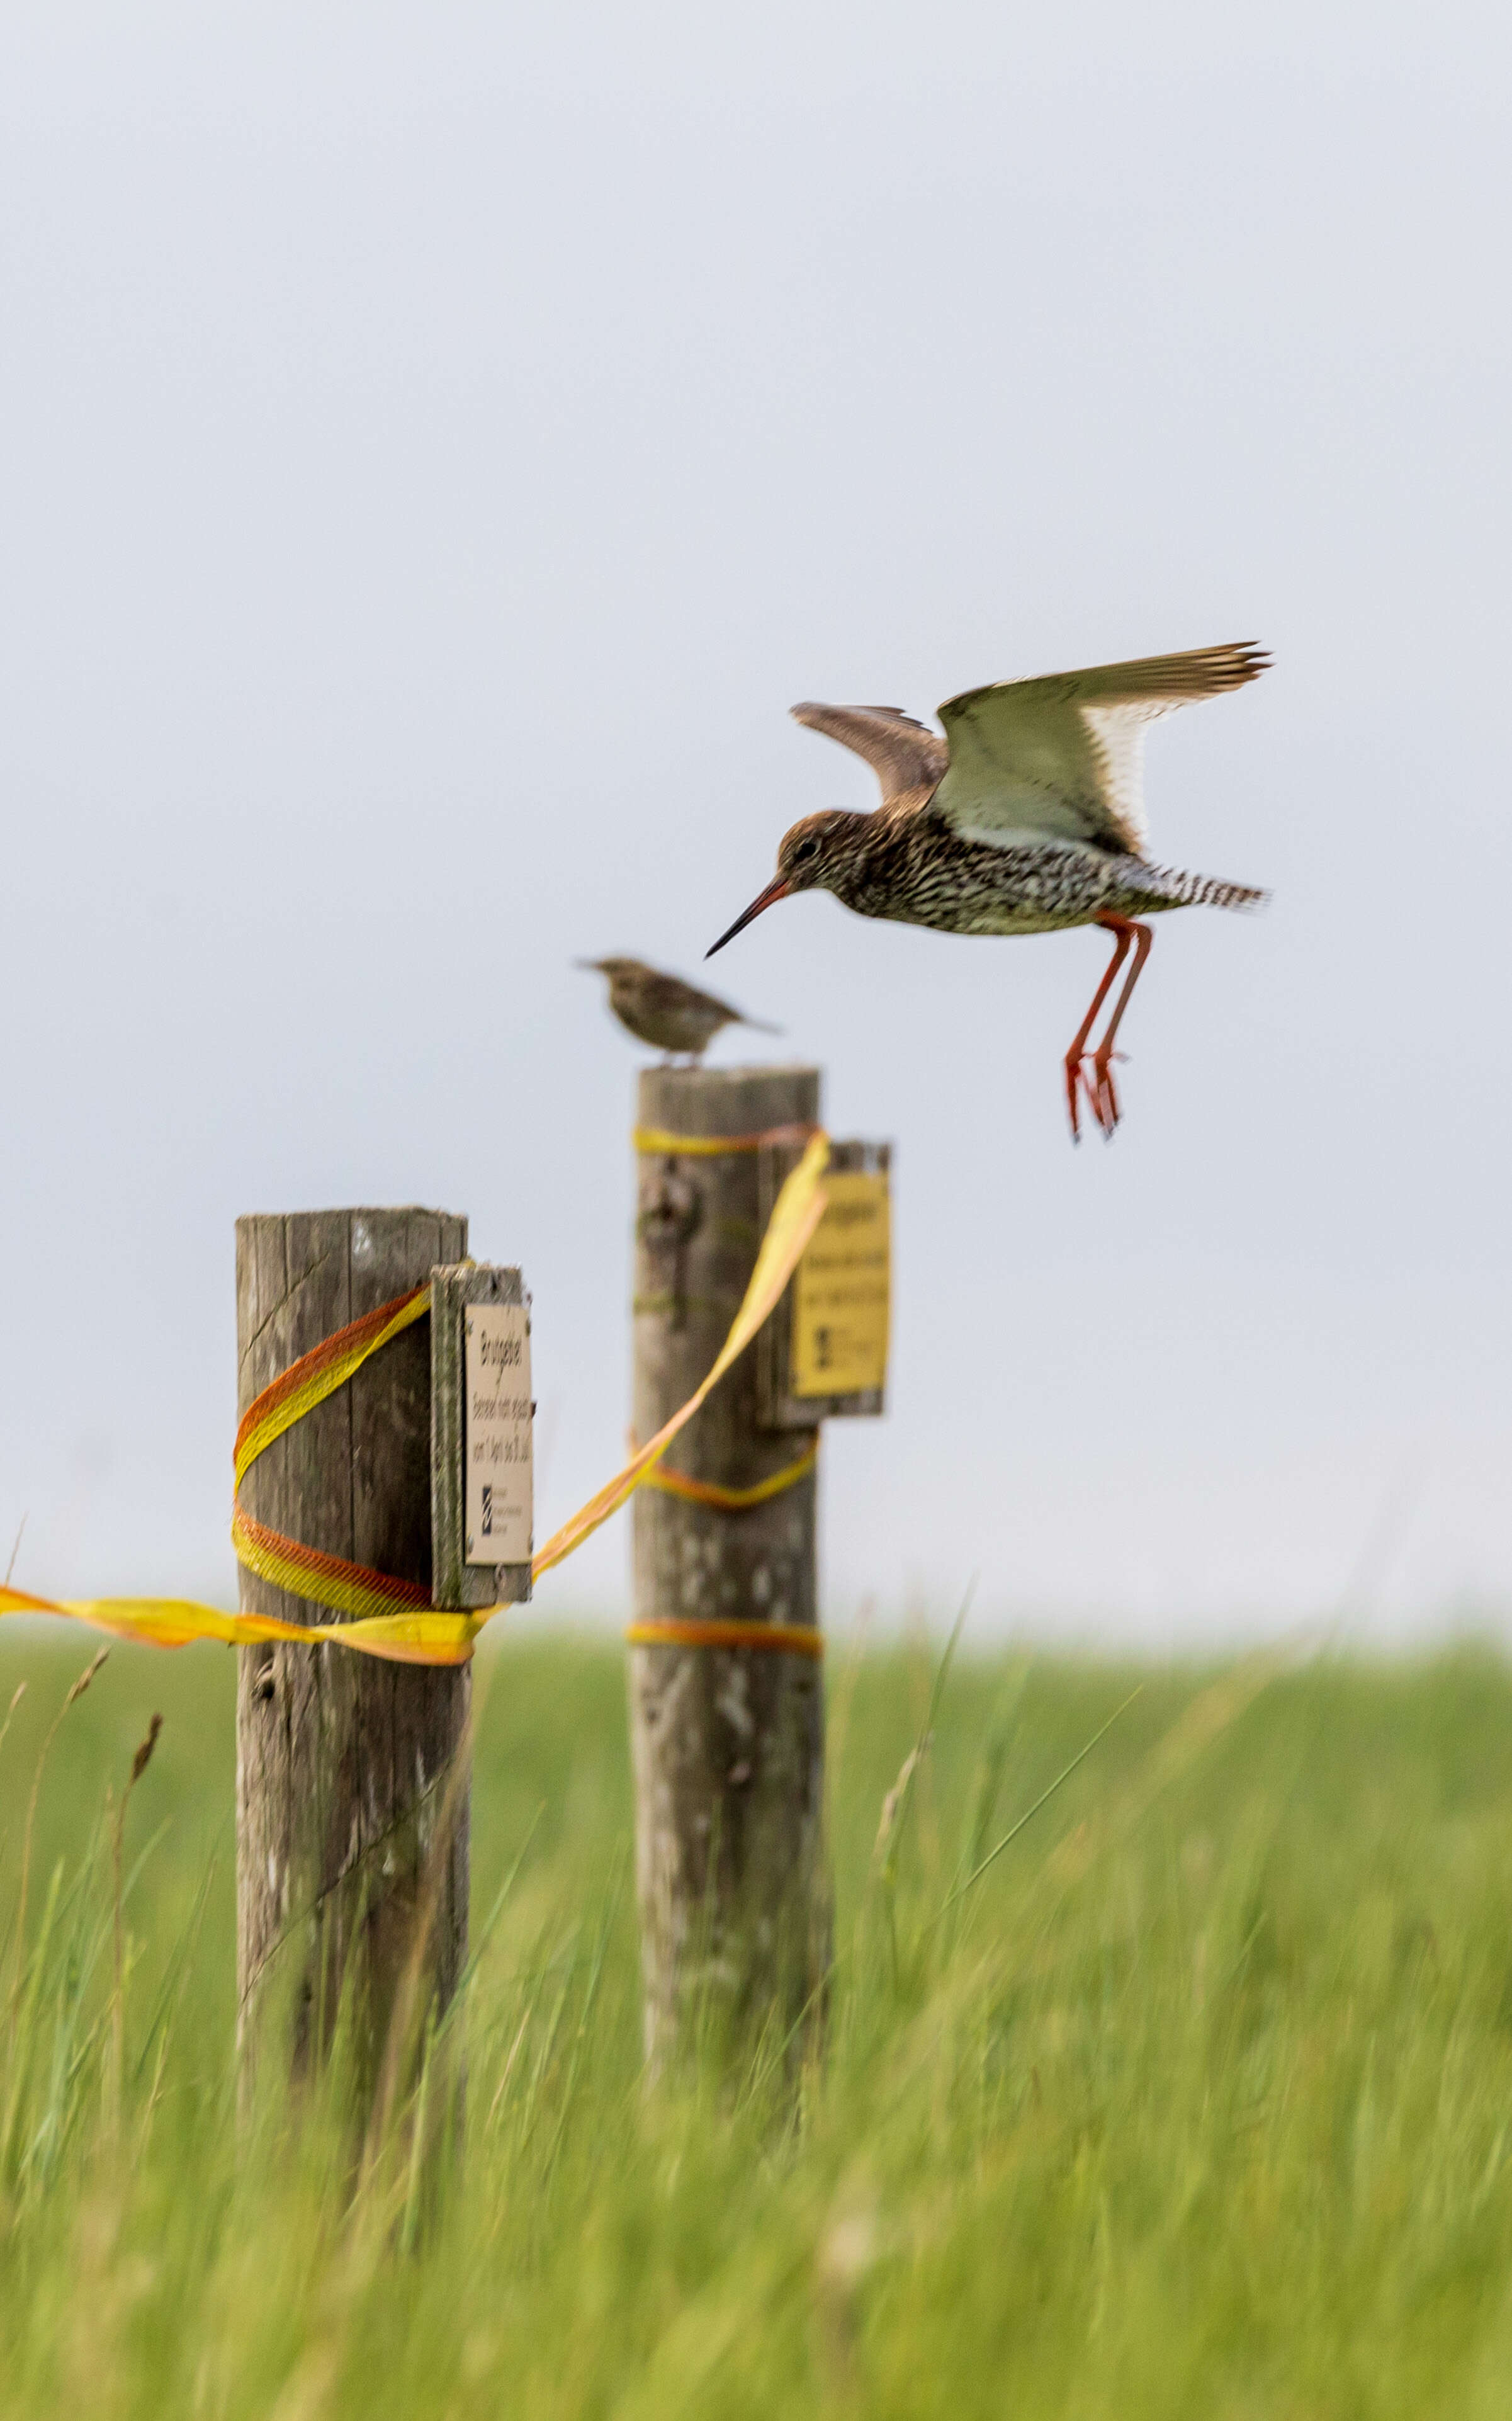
728,1743
345,1765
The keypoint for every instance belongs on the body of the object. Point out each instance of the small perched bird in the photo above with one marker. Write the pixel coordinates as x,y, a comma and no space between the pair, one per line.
665,1010
1026,817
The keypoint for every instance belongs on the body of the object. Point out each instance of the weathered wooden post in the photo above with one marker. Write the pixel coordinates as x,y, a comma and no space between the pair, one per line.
351,1812
727,1740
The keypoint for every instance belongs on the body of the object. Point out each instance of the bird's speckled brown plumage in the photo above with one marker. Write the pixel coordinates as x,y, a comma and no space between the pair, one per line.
661,1009
907,864
1024,818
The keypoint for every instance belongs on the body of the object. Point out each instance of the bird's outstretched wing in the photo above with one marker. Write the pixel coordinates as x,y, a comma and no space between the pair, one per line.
903,755
1062,756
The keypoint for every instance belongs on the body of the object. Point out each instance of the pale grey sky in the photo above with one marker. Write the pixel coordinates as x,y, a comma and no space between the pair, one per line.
440,443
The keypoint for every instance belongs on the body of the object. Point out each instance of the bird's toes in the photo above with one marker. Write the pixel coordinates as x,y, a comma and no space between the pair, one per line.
1085,1081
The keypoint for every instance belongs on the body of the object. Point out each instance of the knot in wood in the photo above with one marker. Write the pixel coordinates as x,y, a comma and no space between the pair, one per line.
670,1212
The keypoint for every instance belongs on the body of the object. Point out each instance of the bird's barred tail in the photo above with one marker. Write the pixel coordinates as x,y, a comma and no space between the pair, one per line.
1172,888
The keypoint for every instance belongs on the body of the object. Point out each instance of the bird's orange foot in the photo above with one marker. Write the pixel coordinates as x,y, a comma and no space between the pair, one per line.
1081,1078
1103,1092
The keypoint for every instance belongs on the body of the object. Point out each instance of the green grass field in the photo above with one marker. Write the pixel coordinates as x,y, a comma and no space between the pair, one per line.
1199,2100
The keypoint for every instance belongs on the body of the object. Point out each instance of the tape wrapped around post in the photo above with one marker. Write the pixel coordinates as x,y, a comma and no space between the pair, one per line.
787,1638
731,1500
661,1143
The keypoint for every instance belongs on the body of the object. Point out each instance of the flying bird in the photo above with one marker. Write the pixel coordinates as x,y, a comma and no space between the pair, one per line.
662,1009
1026,817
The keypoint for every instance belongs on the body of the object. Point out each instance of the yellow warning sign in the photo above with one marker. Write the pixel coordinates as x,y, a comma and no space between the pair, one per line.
841,1291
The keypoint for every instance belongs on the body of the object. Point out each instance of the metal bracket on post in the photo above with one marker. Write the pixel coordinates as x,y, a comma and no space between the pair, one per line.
481,1413
822,1356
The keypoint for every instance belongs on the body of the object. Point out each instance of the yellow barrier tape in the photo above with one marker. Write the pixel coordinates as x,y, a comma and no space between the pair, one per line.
791,1638
308,1573
428,1637
282,1410
424,1634
681,1147
352,1589
732,1500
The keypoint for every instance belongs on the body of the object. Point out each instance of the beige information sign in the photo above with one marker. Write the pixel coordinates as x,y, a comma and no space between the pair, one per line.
498,1512
841,1290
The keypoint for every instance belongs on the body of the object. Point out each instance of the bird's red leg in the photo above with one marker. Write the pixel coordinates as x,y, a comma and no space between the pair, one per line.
1104,1091
1124,933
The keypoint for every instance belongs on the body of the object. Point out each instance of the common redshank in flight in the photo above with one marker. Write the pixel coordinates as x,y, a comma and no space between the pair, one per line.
662,1009
1026,817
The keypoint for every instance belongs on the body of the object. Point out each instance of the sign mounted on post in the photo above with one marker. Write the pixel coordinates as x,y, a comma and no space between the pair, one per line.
823,1352
840,1292
482,1509
496,1513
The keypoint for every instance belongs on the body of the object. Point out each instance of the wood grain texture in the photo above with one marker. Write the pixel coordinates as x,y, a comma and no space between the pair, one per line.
343,1762
777,1407
457,1583
727,1745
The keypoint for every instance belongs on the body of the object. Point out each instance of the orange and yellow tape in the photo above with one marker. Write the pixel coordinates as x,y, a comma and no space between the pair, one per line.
662,1142
791,1638
732,1500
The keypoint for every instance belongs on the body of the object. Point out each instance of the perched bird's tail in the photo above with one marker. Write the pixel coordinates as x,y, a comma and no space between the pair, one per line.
759,1024
1168,887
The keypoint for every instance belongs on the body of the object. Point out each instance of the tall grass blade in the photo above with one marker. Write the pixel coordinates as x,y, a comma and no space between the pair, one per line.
1044,1800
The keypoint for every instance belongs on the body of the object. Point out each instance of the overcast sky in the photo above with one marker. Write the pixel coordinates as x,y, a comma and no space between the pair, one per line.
439,444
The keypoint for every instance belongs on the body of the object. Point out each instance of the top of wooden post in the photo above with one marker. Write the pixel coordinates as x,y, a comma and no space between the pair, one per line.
728,1100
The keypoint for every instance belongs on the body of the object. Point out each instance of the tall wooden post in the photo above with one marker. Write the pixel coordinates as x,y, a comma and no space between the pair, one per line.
345,1765
728,1743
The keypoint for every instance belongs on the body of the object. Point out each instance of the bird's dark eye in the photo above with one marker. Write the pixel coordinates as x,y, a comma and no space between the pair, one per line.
809,847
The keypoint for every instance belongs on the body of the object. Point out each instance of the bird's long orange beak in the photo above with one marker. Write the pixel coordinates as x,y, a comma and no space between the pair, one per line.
773,892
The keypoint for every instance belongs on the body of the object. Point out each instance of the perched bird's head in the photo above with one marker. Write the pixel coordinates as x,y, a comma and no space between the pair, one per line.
813,855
